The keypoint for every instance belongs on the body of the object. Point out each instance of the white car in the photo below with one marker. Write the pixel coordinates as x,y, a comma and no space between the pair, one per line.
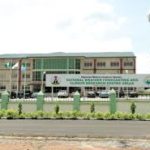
62,94
104,94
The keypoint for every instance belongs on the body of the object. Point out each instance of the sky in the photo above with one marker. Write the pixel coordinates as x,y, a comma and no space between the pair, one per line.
45,26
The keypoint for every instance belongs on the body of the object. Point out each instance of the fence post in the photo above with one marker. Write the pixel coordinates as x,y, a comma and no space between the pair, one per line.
5,100
40,101
113,105
76,101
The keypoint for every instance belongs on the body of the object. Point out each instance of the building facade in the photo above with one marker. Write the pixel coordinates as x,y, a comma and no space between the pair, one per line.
27,71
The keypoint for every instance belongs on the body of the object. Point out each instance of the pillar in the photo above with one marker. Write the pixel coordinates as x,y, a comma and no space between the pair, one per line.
76,101
40,101
5,100
113,105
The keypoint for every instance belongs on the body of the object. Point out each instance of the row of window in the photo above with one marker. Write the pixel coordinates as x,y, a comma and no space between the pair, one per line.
57,63
23,76
103,64
37,75
14,87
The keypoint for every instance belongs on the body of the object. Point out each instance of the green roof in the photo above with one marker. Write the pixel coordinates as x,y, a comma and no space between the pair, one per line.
61,54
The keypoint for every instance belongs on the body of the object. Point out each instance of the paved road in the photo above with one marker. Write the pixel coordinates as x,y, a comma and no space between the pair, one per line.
76,128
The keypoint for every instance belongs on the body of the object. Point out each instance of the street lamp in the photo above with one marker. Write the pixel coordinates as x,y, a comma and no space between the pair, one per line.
42,84
127,71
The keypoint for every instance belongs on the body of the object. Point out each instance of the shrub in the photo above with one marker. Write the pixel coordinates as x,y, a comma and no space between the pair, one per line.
87,116
133,107
107,116
47,115
140,116
148,116
20,108
56,109
99,116
22,116
59,116
92,115
11,114
119,115
40,114
74,115
2,113
92,108
32,115
66,115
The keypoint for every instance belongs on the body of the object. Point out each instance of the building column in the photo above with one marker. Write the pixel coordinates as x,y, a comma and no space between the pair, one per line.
121,66
94,70
134,65
19,75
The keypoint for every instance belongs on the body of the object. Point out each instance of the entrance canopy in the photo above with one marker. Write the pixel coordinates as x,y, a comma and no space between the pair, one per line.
98,80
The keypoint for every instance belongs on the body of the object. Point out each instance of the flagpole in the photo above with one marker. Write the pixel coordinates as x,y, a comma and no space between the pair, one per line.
17,82
10,77
25,78
42,74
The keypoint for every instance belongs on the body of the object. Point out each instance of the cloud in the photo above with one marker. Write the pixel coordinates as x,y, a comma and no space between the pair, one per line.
143,62
34,26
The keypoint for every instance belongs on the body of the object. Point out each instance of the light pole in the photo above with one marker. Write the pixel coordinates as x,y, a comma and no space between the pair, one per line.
42,84
126,71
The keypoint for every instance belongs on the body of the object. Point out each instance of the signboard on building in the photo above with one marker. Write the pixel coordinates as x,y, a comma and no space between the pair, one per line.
98,80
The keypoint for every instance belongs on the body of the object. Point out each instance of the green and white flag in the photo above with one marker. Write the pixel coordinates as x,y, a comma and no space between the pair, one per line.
23,67
8,65
16,65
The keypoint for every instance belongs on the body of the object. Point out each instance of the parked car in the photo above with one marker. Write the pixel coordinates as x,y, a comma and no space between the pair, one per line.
34,94
104,94
91,94
12,94
62,94
120,94
97,93
133,94
20,94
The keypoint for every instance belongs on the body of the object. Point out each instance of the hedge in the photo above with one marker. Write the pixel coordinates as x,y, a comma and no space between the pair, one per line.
13,114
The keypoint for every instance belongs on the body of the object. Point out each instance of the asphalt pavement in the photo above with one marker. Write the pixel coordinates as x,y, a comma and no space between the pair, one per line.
76,128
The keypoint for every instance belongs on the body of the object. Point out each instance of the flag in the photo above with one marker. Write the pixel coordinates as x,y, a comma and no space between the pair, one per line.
8,65
23,67
15,65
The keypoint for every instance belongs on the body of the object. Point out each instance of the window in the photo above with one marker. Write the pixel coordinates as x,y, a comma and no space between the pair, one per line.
37,76
114,64
14,87
88,64
77,63
28,65
14,75
25,87
101,64
27,76
101,88
88,88
74,72
128,63
2,87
